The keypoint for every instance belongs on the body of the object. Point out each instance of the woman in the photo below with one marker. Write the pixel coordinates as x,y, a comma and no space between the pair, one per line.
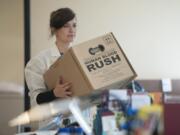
63,27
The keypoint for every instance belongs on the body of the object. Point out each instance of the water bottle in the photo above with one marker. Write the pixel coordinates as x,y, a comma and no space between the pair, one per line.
64,131
70,131
77,131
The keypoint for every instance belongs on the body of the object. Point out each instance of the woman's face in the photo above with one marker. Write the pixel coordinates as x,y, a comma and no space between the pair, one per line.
67,33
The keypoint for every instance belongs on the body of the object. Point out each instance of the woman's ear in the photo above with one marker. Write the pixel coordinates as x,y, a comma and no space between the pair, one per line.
53,31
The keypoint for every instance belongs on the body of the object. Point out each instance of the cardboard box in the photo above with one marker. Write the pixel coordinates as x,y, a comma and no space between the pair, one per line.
97,64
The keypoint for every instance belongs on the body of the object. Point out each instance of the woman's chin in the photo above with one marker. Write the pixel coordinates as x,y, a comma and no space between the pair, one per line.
71,40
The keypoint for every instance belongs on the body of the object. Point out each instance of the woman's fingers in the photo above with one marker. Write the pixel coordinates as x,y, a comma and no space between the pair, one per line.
63,89
60,80
68,93
67,85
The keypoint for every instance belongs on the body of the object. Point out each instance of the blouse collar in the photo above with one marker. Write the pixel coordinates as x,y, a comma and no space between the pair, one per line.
55,51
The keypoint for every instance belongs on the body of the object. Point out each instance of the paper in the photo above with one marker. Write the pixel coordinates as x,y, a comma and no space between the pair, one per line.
120,94
166,85
109,123
140,100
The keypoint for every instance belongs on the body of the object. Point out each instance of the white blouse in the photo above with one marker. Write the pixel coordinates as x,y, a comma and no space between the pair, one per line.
35,69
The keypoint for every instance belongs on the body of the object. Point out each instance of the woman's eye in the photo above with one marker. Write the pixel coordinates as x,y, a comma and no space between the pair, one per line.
70,26
66,26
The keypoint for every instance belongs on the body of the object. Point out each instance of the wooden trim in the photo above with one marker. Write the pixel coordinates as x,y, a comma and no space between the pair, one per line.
155,85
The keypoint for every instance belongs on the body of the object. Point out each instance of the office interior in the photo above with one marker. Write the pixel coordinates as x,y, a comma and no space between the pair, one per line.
148,31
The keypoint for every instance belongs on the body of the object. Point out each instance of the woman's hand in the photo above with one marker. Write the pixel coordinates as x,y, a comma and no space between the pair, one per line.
62,89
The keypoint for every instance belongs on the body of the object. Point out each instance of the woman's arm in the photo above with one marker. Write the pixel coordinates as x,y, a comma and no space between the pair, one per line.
45,97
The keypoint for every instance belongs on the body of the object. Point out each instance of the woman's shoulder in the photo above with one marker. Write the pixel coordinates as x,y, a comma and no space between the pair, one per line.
40,58
46,53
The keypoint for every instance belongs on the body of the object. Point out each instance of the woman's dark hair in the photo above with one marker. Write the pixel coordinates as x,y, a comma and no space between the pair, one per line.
60,17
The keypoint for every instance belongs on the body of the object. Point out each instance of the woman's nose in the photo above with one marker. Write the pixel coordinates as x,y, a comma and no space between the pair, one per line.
72,29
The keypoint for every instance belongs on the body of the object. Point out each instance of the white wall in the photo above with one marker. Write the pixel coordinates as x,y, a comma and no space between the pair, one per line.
147,30
11,41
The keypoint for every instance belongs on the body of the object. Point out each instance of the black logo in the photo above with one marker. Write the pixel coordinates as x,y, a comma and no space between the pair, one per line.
99,48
